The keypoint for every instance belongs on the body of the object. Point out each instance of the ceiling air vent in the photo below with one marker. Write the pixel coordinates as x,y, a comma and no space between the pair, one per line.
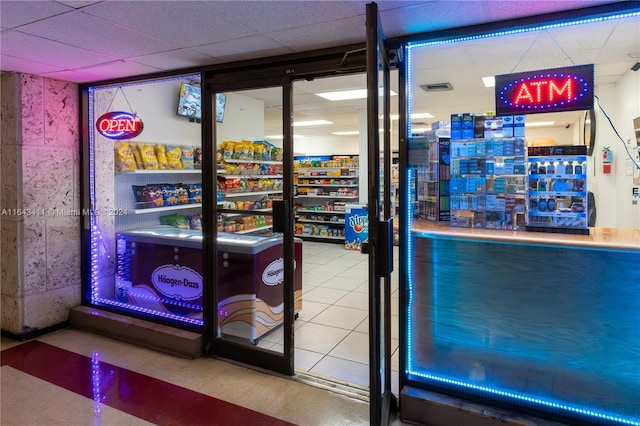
436,87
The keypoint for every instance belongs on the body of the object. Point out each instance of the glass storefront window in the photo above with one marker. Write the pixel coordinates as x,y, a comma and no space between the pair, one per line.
143,208
545,326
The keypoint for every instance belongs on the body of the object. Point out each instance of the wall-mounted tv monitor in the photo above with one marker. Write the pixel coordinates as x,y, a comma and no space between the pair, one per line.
190,102
221,101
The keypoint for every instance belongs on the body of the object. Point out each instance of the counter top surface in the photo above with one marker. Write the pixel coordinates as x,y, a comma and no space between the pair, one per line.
608,238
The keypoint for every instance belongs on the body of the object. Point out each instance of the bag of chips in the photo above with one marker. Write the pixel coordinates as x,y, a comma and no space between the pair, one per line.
194,191
176,220
147,155
197,158
169,194
161,155
152,196
124,160
174,156
187,157
195,222
182,193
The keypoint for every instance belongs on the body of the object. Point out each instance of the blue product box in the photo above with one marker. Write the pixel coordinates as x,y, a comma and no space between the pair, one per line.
467,126
456,126
455,202
498,148
489,166
507,126
519,147
518,125
481,148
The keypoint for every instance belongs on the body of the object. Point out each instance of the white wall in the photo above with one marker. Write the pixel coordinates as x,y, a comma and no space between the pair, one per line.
243,120
327,145
621,101
157,106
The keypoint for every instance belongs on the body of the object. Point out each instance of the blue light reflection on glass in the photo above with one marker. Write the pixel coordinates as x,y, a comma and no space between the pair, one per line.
413,371
578,356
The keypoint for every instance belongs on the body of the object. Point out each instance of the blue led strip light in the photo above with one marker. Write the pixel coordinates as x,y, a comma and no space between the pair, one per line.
153,312
549,403
96,235
409,239
411,369
411,45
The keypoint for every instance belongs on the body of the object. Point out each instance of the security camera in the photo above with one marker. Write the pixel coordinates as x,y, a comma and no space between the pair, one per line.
567,126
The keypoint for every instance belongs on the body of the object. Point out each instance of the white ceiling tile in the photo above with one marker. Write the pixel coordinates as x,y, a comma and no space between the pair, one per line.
266,16
360,7
176,59
318,36
16,13
244,48
50,52
82,30
172,21
430,16
78,4
116,69
498,10
11,63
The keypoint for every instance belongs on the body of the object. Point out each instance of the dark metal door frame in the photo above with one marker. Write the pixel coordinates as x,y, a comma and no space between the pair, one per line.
214,345
381,399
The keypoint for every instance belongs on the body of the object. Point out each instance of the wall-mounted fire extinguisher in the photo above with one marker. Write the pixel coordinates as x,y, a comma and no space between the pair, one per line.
607,159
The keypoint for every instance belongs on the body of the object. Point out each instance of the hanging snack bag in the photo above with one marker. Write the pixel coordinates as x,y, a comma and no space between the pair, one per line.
187,157
124,160
147,155
174,155
161,155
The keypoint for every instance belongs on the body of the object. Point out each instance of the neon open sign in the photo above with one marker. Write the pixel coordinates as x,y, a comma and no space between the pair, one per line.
119,125
552,90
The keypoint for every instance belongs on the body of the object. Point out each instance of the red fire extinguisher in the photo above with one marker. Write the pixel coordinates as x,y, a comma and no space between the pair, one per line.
607,159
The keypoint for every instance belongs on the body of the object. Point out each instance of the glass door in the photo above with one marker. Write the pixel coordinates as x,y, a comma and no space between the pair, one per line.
380,220
253,263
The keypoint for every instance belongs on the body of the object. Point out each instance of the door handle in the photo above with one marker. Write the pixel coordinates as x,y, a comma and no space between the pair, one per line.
281,216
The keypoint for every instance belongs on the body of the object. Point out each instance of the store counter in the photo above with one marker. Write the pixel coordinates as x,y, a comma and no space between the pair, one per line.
160,269
551,319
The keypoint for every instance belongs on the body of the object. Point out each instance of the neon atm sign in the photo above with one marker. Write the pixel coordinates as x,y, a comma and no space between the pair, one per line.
552,90
119,125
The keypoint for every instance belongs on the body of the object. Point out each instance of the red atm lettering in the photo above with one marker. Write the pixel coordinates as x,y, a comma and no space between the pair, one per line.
544,91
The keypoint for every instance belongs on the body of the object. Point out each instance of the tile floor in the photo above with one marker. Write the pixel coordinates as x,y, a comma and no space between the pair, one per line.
331,334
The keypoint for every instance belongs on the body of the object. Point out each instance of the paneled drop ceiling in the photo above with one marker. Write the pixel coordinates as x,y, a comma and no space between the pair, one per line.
84,41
